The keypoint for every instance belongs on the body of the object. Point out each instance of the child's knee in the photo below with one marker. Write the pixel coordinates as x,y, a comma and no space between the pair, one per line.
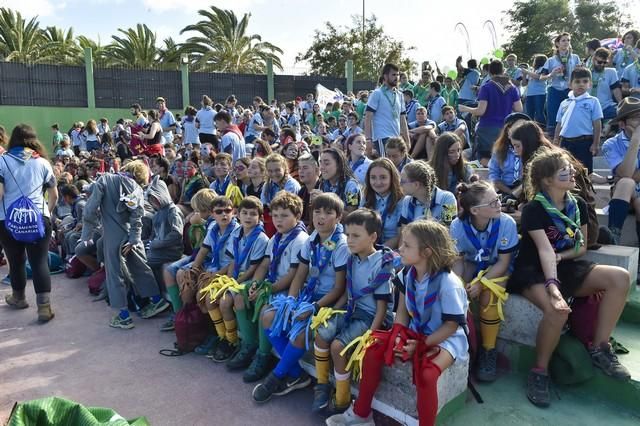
556,318
226,302
267,318
625,189
336,347
238,302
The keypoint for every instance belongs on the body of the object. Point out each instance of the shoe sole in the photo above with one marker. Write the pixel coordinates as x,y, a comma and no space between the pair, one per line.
299,385
330,422
320,408
156,311
123,327
46,319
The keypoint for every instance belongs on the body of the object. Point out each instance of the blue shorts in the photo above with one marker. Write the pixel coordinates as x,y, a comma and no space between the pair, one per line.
184,263
344,332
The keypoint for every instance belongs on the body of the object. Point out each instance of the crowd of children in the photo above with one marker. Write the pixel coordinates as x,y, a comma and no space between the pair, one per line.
288,234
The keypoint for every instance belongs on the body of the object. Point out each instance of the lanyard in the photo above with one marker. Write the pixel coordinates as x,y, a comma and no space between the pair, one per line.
392,103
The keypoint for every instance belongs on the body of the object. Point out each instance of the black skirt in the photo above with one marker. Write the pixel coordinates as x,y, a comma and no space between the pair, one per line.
571,274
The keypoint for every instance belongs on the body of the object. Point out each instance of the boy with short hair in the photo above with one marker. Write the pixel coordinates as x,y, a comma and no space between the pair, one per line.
452,123
278,268
245,247
223,184
309,177
232,141
319,282
411,104
436,102
422,134
369,273
579,120
449,92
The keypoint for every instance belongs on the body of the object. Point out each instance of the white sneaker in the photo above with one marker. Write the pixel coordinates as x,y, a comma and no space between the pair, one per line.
349,418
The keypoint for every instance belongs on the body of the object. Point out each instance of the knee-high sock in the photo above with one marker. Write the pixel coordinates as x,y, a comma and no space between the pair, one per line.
279,342
489,326
618,211
371,377
264,345
174,297
322,357
427,387
218,323
231,331
289,362
248,329
343,389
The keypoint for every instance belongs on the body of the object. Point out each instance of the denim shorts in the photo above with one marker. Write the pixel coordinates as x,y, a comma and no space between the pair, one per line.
183,263
338,328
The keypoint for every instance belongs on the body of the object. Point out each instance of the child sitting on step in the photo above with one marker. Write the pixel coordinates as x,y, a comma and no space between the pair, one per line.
548,271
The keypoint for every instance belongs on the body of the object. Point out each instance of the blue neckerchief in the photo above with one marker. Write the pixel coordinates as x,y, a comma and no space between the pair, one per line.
274,188
240,257
483,254
420,302
220,241
279,248
384,214
359,162
517,164
413,204
221,188
328,187
318,260
384,275
403,163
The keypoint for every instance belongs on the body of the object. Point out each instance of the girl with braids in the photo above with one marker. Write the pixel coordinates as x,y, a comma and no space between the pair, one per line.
383,193
549,271
486,240
423,199
428,329
448,162
278,180
338,178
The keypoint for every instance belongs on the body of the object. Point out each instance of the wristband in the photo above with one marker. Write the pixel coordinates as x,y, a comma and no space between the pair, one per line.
551,281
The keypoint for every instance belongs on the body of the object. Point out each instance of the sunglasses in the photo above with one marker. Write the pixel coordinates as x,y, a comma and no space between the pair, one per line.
228,210
493,204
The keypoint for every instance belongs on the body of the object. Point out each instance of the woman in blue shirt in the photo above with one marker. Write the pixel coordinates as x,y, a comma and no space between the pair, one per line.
505,165
536,90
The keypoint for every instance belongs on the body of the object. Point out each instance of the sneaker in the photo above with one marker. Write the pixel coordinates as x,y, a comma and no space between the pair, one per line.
272,385
242,359
153,309
321,396
208,346
349,418
224,351
334,408
16,303
118,322
487,361
6,280
169,325
292,384
604,358
538,389
259,368
45,313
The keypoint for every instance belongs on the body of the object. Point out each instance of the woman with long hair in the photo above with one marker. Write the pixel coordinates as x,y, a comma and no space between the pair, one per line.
449,164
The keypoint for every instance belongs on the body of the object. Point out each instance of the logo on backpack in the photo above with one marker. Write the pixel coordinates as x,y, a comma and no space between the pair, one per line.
24,221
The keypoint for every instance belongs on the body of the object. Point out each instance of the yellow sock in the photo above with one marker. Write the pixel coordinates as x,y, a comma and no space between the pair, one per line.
216,317
489,326
231,331
322,357
343,389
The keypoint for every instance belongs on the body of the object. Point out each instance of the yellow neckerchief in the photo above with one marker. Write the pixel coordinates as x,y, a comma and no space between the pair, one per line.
357,357
218,286
499,294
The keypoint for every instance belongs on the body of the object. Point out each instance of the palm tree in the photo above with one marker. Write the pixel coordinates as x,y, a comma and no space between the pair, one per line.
170,54
137,48
60,46
98,52
20,41
224,45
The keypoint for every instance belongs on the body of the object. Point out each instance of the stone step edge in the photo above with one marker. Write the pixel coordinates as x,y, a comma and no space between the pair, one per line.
623,394
445,413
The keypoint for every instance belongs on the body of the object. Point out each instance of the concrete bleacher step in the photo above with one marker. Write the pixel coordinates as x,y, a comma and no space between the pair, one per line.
629,236
600,162
603,195
622,256
396,396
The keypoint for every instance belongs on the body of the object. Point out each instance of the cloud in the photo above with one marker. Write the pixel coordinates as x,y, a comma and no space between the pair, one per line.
32,8
189,6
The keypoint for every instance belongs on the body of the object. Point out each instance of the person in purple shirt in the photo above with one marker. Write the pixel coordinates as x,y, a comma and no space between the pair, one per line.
496,99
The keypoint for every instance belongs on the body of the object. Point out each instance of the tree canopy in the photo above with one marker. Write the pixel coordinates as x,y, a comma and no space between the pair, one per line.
333,46
534,23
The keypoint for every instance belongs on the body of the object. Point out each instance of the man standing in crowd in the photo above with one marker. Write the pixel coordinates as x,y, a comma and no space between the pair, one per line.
167,120
386,114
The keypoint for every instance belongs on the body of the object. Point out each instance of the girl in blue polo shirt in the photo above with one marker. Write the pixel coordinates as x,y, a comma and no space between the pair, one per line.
338,178
558,69
505,165
383,193
358,161
487,240
448,162
278,180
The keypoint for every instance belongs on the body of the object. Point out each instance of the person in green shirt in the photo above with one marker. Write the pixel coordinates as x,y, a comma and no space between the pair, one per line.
57,137
361,106
450,93
421,91
405,84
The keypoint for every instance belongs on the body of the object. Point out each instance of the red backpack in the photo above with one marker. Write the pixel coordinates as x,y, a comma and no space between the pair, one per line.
192,327
75,268
96,281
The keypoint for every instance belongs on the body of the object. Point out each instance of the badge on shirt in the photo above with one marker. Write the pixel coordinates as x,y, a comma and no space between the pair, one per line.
314,272
504,241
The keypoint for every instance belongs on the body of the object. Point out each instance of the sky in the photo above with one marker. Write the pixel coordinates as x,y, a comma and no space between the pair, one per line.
290,24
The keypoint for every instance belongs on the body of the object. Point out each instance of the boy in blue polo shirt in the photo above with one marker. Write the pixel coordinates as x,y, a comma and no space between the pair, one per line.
319,283
605,84
579,118
454,124
623,155
436,102
471,77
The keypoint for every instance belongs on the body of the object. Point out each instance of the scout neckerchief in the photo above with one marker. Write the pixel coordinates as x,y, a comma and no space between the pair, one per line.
483,254
279,247
430,104
220,241
403,163
221,187
393,99
420,301
240,257
338,189
568,225
319,257
274,188
517,164
512,72
384,213
383,276
413,205
596,78
359,162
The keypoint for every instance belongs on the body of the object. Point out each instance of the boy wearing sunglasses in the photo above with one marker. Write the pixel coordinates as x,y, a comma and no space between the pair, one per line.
605,84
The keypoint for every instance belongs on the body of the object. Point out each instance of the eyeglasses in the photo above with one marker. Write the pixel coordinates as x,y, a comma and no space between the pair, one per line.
493,204
228,210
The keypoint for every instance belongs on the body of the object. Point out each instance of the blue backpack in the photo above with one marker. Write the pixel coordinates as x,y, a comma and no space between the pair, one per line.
23,219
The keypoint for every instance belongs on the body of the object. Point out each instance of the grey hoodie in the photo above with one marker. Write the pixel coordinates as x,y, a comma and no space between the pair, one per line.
167,222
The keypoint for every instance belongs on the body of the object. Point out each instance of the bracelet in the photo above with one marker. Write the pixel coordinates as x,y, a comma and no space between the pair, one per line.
550,281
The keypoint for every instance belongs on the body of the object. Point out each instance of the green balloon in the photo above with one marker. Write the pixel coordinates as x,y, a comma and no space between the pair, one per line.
498,53
484,60
453,74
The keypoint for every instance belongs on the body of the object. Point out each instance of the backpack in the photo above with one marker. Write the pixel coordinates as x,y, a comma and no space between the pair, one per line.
75,268
23,219
192,327
96,281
